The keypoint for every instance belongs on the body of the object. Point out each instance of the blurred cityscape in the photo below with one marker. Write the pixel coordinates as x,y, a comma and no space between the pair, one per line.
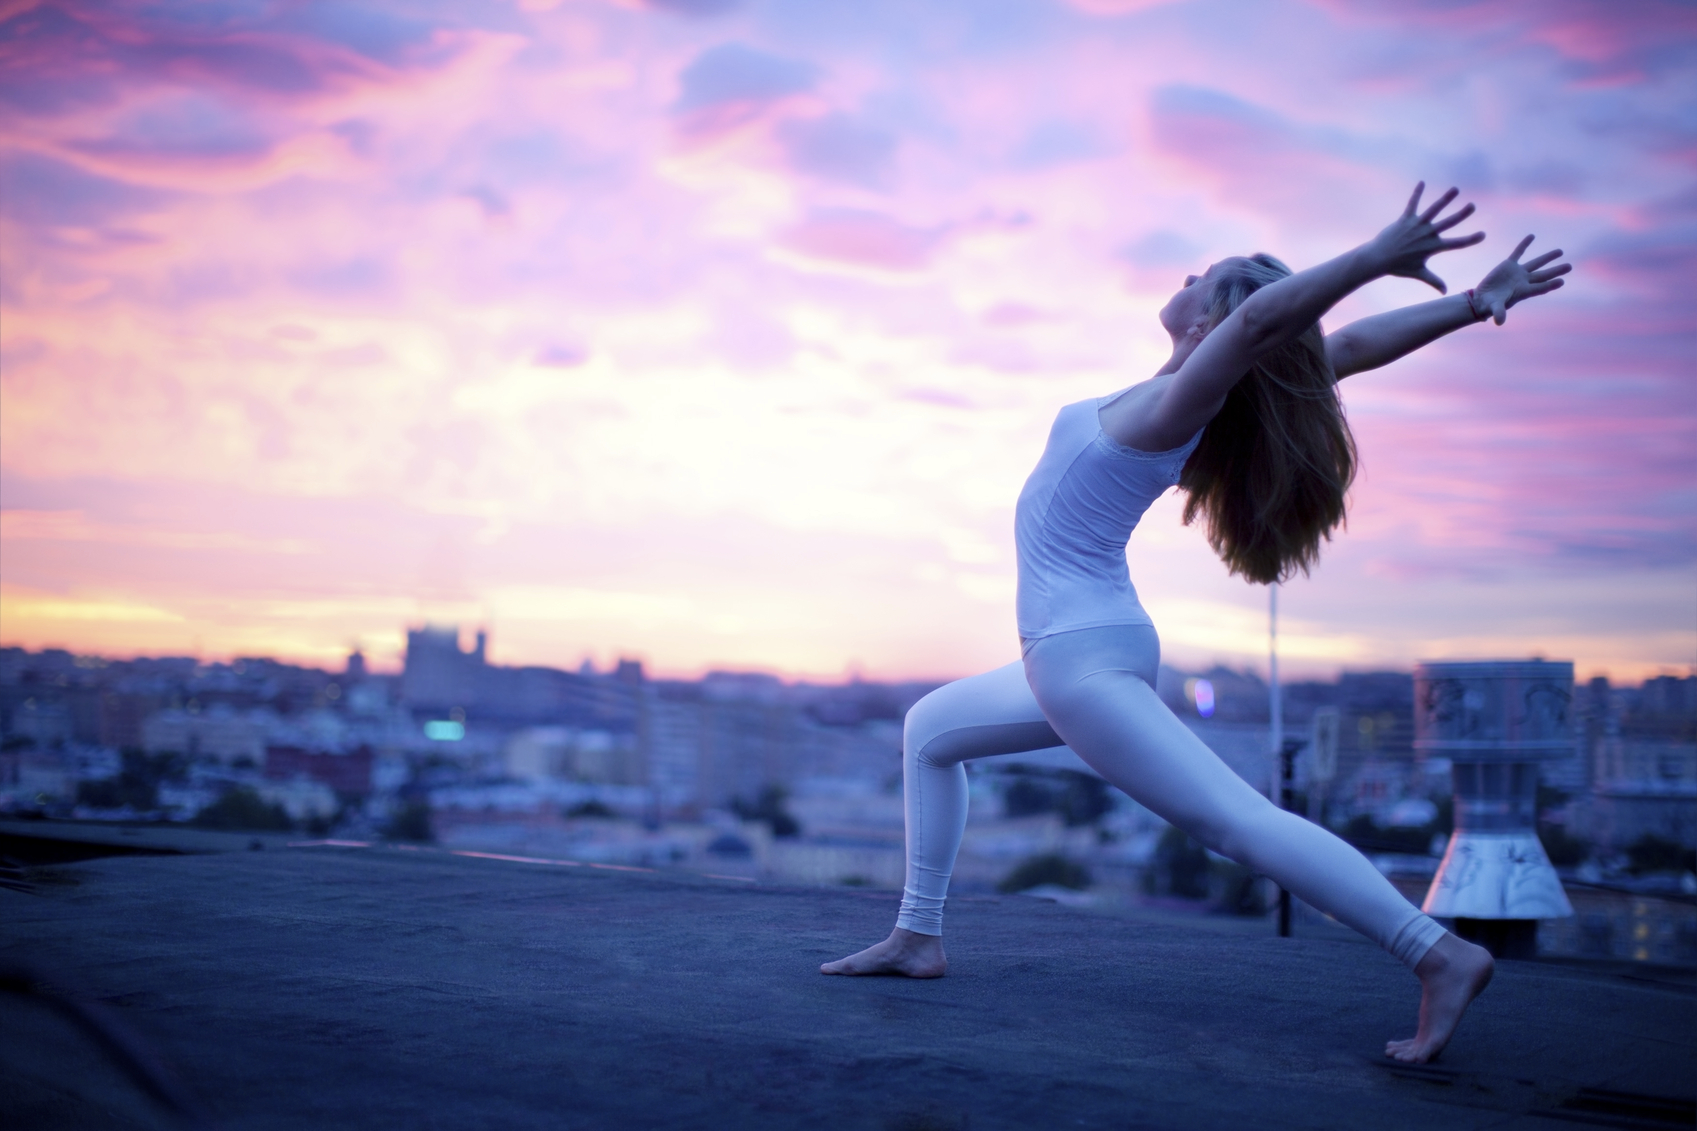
740,774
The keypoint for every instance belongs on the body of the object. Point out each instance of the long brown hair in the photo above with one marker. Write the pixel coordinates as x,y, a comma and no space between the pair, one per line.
1271,471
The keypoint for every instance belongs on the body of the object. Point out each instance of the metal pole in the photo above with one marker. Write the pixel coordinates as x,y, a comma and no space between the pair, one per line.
1275,703
1287,772
1282,758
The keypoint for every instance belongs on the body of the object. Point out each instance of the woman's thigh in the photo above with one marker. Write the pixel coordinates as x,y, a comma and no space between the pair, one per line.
992,713
1112,718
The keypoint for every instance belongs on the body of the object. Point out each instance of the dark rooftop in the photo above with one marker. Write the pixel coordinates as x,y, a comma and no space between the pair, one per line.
377,987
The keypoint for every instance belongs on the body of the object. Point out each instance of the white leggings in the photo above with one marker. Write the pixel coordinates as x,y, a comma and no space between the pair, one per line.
1092,690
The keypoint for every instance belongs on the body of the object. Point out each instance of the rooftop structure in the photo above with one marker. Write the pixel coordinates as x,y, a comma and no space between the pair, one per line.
321,986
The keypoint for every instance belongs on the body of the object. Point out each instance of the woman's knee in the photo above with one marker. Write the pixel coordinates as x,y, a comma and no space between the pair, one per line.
925,720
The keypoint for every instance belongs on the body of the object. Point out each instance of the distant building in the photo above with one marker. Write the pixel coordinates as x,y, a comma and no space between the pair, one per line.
440,678
122,715
437,674
217,732
716,750
597,757
1641,753
347,774
30,777
42,721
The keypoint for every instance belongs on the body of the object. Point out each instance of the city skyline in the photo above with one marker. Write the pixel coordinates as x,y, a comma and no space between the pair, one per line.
723,334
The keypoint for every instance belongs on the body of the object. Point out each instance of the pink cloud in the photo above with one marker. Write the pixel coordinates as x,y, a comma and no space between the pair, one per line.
863,239
1116,7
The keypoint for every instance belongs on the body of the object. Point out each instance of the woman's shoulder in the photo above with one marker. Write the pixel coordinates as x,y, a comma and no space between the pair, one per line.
1130,417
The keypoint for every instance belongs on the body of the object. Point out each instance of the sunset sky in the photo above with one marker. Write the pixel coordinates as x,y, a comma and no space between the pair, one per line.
724,333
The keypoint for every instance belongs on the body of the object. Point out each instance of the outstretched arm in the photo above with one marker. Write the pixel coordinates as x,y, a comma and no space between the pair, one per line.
1382,338
1276,314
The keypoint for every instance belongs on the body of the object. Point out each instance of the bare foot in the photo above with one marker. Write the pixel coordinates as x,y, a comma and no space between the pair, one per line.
907,953
1452,974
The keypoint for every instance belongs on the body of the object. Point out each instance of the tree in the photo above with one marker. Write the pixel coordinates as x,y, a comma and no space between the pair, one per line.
243,808
1027,798
769,807
1050,868
137,783
1652,853
1085,798
1180,866
411,823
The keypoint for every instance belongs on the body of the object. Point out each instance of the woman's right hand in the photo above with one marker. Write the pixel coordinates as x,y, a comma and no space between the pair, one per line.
1512,281
1412,238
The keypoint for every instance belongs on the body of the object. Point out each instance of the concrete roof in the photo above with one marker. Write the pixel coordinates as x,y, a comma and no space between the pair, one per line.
354,988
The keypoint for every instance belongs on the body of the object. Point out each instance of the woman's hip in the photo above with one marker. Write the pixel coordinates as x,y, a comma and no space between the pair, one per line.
1055,665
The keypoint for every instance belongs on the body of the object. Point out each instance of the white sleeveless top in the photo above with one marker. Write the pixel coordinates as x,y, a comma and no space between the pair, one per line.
1073,521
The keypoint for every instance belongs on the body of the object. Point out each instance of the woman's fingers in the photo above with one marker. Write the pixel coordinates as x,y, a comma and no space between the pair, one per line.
1438,205
1499,310
1414,201
1425,276
1553,272
1460,241
1534,291
1449,222
1534,264
1520,249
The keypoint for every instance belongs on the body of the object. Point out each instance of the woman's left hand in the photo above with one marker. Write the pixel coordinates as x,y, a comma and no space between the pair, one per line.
1511,280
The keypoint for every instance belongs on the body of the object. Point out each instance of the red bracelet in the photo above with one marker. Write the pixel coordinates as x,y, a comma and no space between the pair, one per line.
1473,309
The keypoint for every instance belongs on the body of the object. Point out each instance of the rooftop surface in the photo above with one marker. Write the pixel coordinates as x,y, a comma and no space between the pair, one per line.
378,987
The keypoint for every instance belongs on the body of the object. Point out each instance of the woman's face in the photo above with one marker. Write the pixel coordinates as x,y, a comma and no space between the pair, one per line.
1188,306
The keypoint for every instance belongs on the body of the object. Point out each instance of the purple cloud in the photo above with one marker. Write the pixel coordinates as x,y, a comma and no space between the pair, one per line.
838,148
1163,248
731,85
1599,40
733,72
699,9
41,192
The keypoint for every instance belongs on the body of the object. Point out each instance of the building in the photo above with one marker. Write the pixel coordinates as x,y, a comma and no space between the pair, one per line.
440,679
31,777
348,774
218,732
1641,754
595,757
716,750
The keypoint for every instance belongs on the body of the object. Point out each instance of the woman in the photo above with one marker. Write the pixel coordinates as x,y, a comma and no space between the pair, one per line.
1245,417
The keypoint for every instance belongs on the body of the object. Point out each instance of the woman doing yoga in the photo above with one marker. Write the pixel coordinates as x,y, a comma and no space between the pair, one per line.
1245,417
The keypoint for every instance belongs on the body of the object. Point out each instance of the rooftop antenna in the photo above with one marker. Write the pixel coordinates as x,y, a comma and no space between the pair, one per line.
1279,775
1275,701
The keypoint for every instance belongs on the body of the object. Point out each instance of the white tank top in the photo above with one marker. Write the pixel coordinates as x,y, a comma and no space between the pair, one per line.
1074,518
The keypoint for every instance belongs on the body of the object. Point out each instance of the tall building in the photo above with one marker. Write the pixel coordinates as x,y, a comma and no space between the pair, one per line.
440,678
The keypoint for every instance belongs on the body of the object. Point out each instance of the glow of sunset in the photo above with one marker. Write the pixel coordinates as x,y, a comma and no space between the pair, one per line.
724,334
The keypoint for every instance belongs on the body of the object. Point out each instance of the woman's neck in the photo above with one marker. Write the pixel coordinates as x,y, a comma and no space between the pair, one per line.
1182,349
